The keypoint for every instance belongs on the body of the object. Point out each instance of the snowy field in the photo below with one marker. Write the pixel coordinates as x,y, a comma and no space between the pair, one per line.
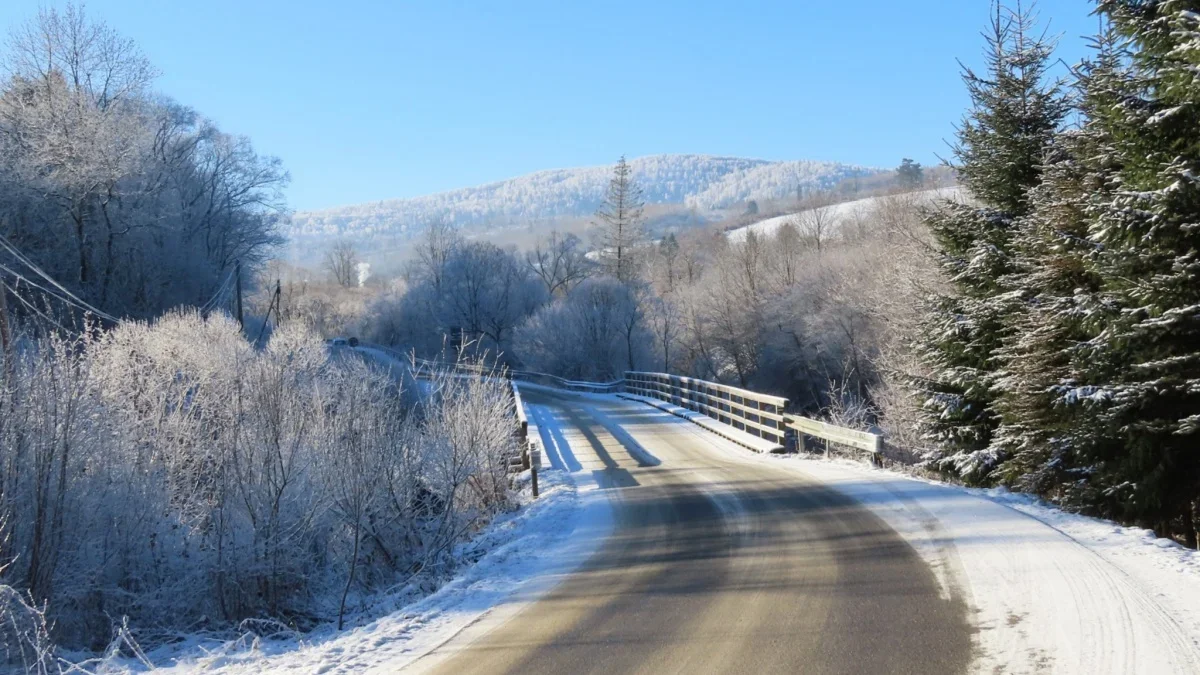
837,214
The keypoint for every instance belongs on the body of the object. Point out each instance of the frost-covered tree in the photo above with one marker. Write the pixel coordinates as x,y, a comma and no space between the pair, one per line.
597,332
560,261
173,473
1016,110
341,262
487,293
134,202
468,295
620,224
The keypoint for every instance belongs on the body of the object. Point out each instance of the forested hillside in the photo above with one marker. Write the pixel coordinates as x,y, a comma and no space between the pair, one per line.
700,181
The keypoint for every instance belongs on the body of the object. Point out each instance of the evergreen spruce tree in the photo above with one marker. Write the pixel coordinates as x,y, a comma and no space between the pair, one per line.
1046,414
621,226
1145,362
910,175
1015,113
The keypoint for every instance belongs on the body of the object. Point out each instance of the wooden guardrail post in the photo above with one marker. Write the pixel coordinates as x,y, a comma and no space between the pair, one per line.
534,461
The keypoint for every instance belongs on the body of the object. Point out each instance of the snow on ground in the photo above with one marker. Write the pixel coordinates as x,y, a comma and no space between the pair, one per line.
1050,591
841,213
530,550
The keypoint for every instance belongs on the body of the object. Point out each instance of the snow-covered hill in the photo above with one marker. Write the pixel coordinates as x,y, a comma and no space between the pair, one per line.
838,214
700,181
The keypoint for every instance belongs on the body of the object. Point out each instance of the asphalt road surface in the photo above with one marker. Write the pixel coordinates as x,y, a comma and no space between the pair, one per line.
720,566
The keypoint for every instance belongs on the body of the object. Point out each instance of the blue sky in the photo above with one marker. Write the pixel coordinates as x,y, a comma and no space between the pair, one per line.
375,100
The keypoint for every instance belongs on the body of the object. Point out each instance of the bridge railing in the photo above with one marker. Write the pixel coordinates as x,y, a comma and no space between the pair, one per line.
754,413
528,440
533,377
761,415
557,382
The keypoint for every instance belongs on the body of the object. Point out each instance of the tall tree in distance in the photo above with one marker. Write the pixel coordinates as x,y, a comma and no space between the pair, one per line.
620,224
910,174
1015,114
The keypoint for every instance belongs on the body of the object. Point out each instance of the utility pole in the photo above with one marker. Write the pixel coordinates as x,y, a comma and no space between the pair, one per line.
275,300
238,272
6,337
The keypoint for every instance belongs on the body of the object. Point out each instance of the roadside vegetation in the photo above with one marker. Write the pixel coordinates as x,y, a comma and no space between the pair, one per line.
162,462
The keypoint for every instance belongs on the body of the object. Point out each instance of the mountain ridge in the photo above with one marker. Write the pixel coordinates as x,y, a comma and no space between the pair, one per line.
698,181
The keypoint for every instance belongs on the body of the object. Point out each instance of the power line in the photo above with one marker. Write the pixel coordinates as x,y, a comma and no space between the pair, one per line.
34,309
31,265
38,286
48,291
216,297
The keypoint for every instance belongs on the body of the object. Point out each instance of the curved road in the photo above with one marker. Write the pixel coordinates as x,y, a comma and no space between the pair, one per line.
718,566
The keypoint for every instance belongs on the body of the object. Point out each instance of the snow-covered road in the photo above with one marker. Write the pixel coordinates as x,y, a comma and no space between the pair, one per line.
721,556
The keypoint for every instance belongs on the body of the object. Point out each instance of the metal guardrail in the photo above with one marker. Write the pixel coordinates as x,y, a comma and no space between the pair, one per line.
861,440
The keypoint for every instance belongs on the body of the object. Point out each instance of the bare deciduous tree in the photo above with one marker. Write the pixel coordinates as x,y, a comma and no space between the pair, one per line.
817,221
341,262
559,261
95,60
137,203
664,318
788,249
433,250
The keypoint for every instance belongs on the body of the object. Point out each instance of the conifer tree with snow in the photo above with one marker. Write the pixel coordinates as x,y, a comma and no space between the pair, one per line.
1046,416
1143,376
620,224
1016,110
